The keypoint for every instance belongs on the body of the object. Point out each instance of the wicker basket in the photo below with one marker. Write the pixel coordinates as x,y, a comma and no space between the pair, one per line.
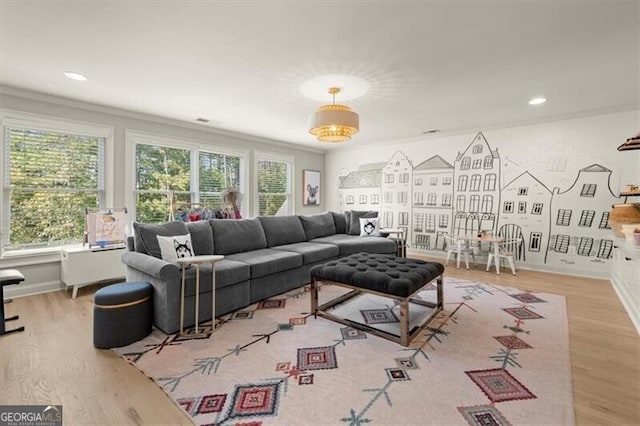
623,213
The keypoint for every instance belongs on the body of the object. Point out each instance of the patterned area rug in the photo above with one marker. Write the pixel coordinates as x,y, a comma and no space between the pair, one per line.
494,356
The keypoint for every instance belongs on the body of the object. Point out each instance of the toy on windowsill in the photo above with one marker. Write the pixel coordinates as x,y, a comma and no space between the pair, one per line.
231,198
636,236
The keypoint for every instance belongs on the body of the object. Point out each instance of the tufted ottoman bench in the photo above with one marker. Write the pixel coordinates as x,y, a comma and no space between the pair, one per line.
397,278
122,314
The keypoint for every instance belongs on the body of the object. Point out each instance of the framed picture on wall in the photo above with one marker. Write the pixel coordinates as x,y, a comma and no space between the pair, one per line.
311,187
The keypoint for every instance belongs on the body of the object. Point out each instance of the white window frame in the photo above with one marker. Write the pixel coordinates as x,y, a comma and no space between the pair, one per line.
269,156
13,118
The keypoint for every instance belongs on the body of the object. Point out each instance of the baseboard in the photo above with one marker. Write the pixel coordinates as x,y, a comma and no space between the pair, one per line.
16,291
627,301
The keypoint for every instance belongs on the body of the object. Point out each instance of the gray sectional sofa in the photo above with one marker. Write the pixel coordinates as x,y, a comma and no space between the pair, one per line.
264,257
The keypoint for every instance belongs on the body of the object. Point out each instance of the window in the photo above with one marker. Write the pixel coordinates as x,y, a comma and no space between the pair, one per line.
432,199
477,164
446,200
490,182
586,218
446,181
535,241
418,198
487,221
375,199
604,221
522,207
537,208
460,203
216,173
417,181
351,199
433,181
488,162
561,244
388,178
430,223
584,246
443,221
52,170
604,250
402,197
487,203
465,164
363,199
273,177
462,183
564,217
477,149
388,197
388,219
475,182
588,190
523,190
508,207
404,178
474,203
418,219
403,218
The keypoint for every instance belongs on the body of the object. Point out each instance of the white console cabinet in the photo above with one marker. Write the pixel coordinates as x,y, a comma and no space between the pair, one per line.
80,266
625,277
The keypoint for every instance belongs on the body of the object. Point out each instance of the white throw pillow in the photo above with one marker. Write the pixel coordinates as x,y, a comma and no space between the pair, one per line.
171,248
369,227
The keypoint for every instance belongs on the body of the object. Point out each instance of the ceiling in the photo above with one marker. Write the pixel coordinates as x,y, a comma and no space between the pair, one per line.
453,66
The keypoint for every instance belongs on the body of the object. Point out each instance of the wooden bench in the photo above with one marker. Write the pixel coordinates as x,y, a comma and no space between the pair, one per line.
398,278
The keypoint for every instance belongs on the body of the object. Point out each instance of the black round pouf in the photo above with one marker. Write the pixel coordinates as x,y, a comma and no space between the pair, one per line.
122,314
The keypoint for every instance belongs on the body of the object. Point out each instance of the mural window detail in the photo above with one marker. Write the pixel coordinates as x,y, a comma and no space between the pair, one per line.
584,246
404,178
430,225
477,164
418,218
460,203
475,182
460,221
443,221
474,203
446,200
423,241
490,182
418,198
388,178
477,149
523,190
557,164
432,199
434,181
403,218
535,241
402,197
604,221
522,207
562,244
586,218
388,219
588,190
388,197
487,203
604,251
537,208
488,162
350,199
462,183
488,221
417,181
564,217
446,181
508,207
375,199
363,199
466,163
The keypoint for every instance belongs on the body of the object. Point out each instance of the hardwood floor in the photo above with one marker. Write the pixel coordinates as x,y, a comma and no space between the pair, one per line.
54,361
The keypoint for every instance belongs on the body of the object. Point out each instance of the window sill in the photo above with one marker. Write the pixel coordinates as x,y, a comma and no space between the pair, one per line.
34,256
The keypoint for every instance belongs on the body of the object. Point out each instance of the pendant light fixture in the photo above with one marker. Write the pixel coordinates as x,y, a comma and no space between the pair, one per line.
334,122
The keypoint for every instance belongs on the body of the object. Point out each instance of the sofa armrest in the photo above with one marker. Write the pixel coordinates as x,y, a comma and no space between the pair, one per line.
152,266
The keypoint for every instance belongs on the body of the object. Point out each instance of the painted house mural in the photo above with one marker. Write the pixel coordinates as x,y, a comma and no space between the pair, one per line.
560,229
432,203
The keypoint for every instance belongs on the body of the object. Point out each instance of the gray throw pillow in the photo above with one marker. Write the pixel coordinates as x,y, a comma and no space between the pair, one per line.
354,220
201,237
237,236
145,235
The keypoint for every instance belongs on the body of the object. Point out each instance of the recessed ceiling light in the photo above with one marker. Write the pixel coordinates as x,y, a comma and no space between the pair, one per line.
537,101
75,76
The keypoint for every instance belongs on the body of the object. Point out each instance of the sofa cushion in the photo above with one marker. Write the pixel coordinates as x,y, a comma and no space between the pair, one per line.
282,230
312,252
350,244
201,237
318,225
145,235
353,223
228,273
237,236
264,262
340,220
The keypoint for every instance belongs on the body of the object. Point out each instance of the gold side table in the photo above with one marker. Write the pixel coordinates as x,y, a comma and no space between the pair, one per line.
197,261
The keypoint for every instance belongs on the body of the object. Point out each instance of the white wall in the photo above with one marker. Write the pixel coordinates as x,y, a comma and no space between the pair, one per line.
42,272
575,144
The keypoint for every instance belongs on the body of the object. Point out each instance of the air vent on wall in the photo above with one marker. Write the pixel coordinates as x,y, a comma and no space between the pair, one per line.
428,132
202,120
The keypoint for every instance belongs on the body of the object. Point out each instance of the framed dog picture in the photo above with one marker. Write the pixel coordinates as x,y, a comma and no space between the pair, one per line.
311,187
